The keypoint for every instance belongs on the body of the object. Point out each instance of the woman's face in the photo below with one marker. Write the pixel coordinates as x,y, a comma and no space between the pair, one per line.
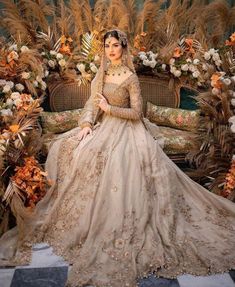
113,49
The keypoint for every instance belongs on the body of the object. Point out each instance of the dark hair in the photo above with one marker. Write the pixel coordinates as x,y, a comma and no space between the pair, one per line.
114,34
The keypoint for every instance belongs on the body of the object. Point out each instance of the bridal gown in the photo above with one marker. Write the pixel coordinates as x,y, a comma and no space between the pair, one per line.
119,208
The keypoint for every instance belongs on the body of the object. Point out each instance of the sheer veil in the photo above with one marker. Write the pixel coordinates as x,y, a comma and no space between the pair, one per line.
90,110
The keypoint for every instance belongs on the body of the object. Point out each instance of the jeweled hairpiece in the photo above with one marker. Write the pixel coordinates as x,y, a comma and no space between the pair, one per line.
121,35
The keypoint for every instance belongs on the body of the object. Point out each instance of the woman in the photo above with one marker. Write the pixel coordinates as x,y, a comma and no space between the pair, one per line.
119,208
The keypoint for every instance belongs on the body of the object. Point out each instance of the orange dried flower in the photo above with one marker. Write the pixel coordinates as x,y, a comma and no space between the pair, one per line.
232,40
229,181
215,81
14,128
31,180
177,52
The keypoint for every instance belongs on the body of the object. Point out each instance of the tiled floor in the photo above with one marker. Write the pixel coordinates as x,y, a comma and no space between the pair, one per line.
49,270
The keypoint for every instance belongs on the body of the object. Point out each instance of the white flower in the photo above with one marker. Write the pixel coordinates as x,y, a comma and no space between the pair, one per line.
218,63
12,56
233,94
39,79
216,57
152,63
233,102
59,56
207,56
204,67
192,68
24,49
212,51
46,73
233,78
15,95
227,81
94,69
142,53
35,84
13,47
10,83
143,57
81,67
196,74
62,62
17,102
196,61
185,67
6,112
177,73
232,128
2,82
173,69
188,60
96,58
172,61
19,87
9,102
6,89
43,85
51,64
164,67
146,62
25,75
215,91
52,52
43,53
232,120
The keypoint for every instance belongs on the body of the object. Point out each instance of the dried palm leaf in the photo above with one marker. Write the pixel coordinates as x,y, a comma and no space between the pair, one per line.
15,25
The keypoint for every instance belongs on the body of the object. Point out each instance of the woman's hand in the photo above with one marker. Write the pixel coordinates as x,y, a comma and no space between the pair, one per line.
84,132
102,103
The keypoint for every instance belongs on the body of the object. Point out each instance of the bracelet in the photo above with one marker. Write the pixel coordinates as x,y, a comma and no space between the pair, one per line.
86,124
108,111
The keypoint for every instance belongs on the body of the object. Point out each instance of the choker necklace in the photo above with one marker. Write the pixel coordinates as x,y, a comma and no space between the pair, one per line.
116,69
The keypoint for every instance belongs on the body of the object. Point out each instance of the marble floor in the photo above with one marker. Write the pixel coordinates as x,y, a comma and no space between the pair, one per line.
48,270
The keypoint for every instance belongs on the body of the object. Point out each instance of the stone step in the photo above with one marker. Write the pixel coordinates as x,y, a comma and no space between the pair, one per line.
48,270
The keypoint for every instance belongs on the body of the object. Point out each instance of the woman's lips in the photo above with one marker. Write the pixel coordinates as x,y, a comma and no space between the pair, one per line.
111,55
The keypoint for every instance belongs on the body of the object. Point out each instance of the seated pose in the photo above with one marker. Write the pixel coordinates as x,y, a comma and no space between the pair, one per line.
118,207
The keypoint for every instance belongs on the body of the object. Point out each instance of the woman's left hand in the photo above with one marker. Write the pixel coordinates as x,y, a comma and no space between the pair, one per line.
103,104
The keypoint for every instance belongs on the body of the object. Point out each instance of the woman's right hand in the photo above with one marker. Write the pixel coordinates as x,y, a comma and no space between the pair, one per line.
84,132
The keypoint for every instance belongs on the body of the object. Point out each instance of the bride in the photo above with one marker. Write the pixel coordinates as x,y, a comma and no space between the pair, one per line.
118,207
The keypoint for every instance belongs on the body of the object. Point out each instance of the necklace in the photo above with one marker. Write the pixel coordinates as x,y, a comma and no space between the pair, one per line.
116,69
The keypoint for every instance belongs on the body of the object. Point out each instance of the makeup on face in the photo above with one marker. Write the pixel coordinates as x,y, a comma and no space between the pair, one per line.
113,49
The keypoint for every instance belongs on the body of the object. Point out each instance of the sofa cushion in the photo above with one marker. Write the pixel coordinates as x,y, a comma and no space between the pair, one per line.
178,141
173,117
59,122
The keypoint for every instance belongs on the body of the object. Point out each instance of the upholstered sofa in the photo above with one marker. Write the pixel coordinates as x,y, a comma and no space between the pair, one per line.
179,127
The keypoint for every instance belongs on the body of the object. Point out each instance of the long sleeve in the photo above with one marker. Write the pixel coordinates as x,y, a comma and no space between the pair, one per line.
135,110
89,113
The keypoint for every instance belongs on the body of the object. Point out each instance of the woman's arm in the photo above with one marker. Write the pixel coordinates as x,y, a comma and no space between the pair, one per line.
135,110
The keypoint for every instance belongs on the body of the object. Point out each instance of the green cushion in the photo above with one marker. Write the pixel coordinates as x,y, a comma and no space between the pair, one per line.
178,141
59,122
173,117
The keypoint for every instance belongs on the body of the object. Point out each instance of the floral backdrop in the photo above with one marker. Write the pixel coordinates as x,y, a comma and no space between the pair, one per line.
44,43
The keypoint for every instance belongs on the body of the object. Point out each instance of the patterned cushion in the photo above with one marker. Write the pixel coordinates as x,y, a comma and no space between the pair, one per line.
178,141
59,122
173,117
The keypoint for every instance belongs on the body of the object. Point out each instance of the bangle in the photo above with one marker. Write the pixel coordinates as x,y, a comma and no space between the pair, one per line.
108,111
85,124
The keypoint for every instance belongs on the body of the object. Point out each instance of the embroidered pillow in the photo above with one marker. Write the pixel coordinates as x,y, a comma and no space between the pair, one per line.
172,117
59,122
178,141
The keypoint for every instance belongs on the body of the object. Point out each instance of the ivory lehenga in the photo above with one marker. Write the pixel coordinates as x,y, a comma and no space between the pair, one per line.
119,208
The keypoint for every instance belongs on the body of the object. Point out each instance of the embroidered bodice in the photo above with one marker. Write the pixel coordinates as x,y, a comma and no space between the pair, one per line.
125,100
